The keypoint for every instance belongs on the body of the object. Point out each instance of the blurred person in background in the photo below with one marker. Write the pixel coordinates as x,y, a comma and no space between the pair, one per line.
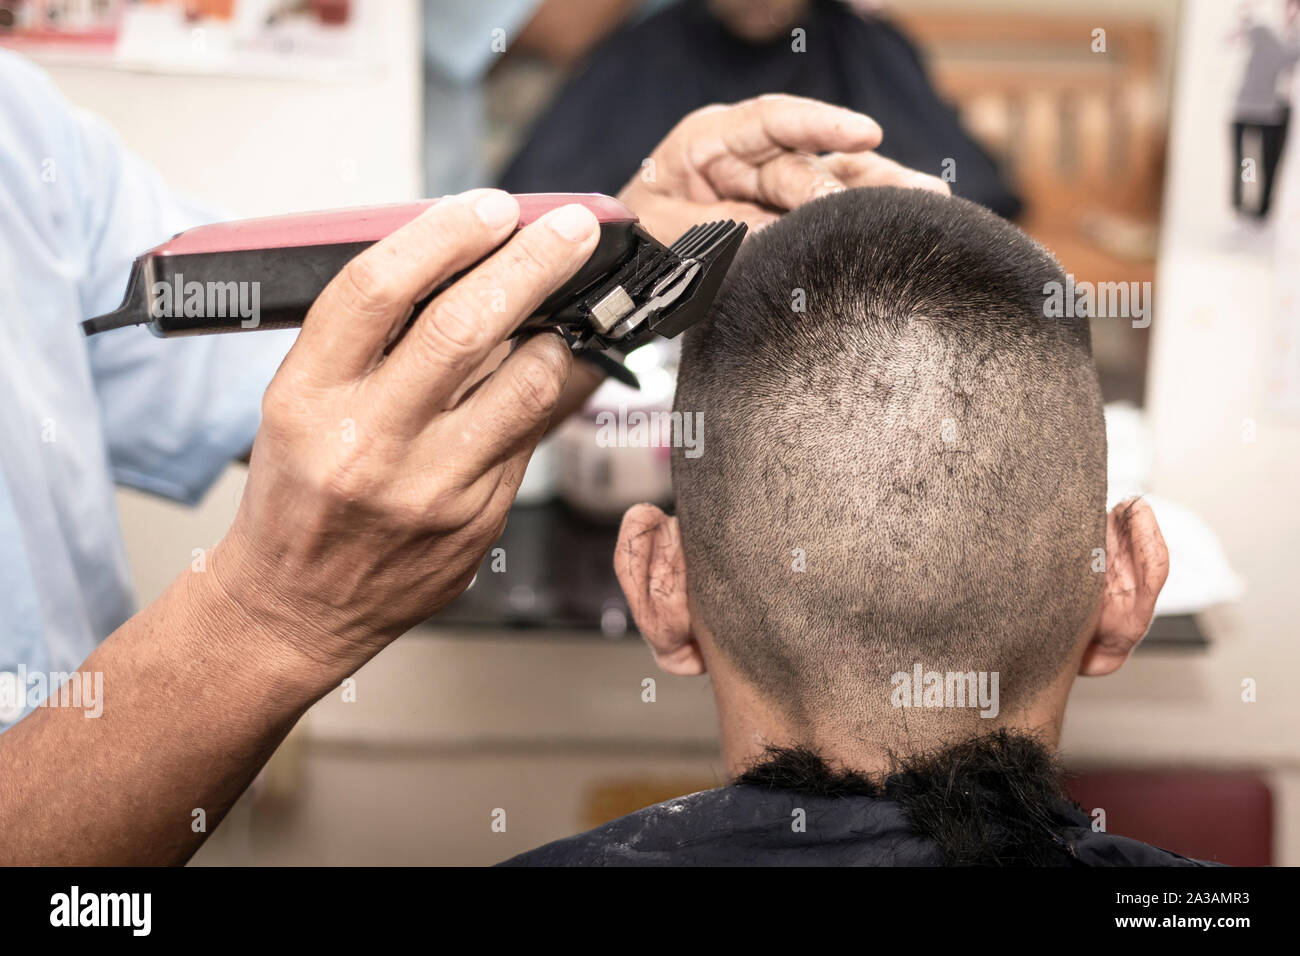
641,80
1262,111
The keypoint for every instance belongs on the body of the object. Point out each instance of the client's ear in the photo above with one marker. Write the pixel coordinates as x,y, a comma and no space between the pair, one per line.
651,567
1137,563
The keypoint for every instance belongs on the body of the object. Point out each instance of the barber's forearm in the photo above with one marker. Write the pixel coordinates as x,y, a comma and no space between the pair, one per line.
195,699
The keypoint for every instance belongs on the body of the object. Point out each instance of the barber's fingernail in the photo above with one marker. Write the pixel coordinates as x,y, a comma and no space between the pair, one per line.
496,209
573,221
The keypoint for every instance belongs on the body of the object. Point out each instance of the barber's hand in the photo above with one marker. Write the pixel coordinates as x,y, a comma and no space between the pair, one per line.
754,160
375,485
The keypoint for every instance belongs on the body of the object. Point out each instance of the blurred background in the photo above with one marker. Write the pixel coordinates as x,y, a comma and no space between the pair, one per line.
1143,141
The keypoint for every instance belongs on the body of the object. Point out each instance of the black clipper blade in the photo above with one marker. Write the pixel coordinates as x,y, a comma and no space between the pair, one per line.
658,292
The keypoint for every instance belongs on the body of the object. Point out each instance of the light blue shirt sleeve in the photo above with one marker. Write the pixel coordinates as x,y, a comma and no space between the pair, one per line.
175,411
460,46
461,40
78,414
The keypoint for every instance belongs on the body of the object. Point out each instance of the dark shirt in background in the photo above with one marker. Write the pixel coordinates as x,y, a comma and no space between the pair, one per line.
637,85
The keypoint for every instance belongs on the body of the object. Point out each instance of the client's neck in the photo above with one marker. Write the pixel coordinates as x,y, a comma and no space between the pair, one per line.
871,742
980,791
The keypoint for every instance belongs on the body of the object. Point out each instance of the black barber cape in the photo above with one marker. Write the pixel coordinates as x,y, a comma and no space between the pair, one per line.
754,826
638,83
992,799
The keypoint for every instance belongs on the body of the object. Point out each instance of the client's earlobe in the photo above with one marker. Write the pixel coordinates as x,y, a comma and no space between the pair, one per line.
651,568
1137,563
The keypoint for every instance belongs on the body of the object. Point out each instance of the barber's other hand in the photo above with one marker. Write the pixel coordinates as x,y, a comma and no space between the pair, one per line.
377,482
754,160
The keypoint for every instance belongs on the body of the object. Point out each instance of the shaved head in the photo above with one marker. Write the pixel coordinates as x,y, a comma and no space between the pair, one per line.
906,459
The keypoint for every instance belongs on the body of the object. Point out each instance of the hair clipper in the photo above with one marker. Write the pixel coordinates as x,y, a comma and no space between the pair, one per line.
265,274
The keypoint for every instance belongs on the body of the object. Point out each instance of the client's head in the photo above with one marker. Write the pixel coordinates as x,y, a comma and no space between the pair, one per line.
903,476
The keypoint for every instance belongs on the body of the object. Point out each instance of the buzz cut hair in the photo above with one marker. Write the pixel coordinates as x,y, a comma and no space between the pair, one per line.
906,458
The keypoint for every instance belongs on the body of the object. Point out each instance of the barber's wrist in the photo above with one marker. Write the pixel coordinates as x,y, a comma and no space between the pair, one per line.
241,635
